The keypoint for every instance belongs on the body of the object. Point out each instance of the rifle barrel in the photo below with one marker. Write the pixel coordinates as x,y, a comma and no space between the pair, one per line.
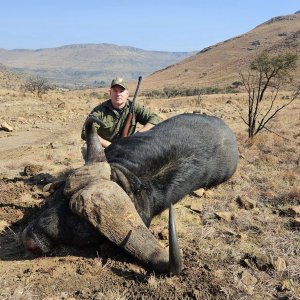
136,92
130,115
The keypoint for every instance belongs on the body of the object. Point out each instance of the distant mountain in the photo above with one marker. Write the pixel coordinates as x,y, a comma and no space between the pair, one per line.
88,64
220,64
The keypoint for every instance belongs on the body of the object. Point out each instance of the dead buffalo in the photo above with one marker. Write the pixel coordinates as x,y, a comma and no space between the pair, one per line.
120,190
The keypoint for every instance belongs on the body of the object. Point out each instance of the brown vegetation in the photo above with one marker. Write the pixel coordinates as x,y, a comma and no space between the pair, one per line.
239,240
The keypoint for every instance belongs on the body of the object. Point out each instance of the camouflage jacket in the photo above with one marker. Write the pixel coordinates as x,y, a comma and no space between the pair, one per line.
114,121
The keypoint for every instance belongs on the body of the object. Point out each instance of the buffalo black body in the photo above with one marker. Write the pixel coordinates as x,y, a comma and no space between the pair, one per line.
155,168
176,157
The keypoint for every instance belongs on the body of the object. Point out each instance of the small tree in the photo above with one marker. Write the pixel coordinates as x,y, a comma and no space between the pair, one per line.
36,85
266,73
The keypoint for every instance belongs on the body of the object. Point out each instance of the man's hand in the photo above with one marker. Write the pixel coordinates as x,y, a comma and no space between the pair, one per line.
104,143
148,126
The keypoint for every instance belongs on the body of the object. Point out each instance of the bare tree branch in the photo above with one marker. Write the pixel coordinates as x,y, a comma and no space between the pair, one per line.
36,85
277,134
266,73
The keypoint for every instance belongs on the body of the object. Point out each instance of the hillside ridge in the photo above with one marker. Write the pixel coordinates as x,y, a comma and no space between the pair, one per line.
219,65
88,64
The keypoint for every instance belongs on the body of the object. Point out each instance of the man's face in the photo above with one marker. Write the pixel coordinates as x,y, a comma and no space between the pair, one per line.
118,96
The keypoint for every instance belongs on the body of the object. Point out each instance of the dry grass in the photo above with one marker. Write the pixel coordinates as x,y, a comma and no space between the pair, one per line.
219,256
268,174
19,293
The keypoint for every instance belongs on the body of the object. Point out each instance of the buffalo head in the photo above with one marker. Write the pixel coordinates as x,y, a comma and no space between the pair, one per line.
93,196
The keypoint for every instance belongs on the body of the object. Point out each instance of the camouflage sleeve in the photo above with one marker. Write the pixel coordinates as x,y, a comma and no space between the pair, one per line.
143,115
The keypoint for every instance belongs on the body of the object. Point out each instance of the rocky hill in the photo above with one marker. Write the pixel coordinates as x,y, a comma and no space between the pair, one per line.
88,64
220,64
216,66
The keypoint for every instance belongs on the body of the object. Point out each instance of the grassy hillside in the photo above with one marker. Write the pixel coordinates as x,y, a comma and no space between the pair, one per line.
220,64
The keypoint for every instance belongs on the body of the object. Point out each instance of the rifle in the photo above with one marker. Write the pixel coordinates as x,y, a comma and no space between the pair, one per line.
130,115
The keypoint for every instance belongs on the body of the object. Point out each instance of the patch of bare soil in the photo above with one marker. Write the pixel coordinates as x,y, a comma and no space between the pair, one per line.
101,272
239,240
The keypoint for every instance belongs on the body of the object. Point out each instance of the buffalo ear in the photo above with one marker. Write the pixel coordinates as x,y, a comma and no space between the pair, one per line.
95,152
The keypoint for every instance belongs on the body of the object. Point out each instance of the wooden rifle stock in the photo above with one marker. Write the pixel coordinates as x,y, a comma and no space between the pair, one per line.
127,123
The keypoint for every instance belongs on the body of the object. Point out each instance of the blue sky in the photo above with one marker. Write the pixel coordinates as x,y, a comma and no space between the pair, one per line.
163,25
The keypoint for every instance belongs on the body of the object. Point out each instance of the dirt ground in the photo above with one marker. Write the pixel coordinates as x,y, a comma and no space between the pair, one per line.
239,241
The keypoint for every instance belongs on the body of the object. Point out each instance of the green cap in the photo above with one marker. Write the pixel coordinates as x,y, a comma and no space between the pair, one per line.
119,81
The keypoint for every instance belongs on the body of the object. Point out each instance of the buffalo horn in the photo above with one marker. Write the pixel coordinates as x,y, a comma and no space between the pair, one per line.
174,250
110,210
95,152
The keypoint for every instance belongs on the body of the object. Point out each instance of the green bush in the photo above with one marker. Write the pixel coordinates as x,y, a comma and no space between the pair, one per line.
171,92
